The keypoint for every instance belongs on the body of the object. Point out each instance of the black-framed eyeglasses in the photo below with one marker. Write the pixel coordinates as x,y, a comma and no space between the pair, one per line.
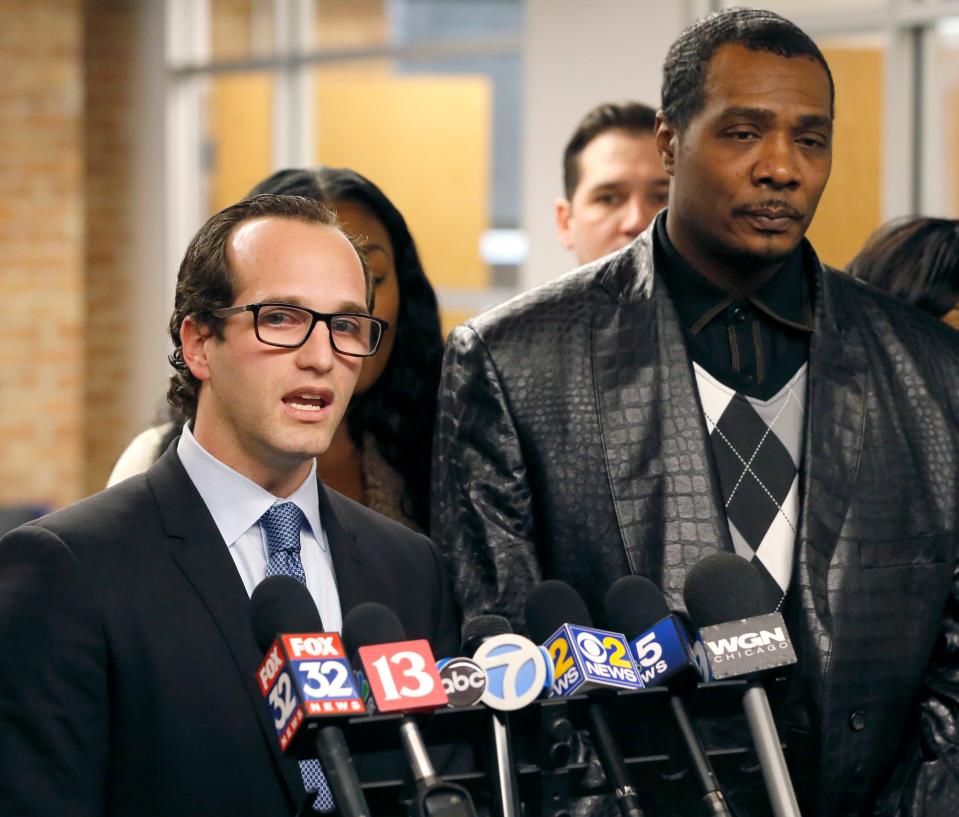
277,324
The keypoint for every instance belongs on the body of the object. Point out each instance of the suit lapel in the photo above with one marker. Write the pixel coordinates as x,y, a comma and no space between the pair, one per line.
835,424
657,453
350,566
199,550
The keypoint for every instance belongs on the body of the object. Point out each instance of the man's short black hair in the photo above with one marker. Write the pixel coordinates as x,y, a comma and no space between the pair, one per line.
632,117
687,63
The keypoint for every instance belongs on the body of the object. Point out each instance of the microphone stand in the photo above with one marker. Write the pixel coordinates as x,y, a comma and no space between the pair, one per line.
612,761
713,799
434,796
782,796
334,756
506,799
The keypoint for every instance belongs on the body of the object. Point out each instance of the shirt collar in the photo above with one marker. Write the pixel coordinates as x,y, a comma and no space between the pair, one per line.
785,298
235,502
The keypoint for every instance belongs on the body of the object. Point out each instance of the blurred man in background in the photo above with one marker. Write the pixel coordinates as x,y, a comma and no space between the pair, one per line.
613,179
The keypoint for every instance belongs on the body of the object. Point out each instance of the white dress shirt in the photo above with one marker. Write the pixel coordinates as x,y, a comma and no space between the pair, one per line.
236,505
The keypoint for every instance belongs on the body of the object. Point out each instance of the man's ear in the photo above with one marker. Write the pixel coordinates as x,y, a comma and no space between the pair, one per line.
564,230
667,142
194,337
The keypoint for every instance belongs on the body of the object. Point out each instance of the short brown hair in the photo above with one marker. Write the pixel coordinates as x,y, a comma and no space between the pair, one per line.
632,117
205,280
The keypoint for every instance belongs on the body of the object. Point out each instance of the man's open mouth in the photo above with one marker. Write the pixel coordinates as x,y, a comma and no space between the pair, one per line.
308,401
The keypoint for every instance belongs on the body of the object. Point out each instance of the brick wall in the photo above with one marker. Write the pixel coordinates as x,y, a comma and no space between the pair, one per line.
64,236
41,252
108,66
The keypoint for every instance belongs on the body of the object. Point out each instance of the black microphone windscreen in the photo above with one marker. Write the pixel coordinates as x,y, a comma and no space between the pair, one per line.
281,604
550,605
723,587
371,623
476,630
633,605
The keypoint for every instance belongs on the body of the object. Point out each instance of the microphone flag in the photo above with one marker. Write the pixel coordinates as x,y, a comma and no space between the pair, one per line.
464,681
749,646
307,675
586,658
402,676
517,672
662,651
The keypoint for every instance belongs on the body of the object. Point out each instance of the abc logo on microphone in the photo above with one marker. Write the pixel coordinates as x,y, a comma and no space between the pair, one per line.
464,681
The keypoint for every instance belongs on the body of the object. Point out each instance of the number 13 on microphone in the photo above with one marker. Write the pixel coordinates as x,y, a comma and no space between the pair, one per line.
402,676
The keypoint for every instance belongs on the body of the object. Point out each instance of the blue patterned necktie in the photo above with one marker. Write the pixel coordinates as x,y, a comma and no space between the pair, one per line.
282,523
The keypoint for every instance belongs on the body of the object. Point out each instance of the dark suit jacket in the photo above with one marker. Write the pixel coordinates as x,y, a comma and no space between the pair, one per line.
571,444
127,677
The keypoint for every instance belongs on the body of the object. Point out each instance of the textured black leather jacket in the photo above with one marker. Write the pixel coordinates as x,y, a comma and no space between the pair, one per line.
571,445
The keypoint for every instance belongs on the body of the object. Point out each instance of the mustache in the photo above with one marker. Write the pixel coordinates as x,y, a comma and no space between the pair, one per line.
776,208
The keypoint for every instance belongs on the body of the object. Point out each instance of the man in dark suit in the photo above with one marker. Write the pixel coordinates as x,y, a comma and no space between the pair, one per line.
714,387
127,679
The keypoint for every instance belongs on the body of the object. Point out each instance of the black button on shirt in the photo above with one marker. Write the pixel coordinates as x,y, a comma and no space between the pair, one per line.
754,344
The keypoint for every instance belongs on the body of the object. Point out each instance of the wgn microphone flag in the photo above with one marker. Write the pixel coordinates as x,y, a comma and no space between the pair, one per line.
740,639
726,599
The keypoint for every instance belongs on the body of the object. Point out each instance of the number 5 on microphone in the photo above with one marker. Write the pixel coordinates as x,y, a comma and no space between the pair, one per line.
647,650
402,676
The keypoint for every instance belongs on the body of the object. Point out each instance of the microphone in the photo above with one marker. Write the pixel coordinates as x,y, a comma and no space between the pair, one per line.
517,670
725,596
663,655
519,675
305,679
403,678
583,660
478,629
463,680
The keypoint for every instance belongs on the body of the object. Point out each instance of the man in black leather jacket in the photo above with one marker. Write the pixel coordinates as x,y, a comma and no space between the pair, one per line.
584,433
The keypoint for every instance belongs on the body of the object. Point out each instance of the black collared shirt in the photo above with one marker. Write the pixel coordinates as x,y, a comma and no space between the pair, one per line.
753,344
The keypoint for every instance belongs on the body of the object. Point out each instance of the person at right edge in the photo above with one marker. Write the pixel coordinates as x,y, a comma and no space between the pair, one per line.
713,386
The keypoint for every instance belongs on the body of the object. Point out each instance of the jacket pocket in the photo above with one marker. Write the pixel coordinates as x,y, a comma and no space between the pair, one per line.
922,549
